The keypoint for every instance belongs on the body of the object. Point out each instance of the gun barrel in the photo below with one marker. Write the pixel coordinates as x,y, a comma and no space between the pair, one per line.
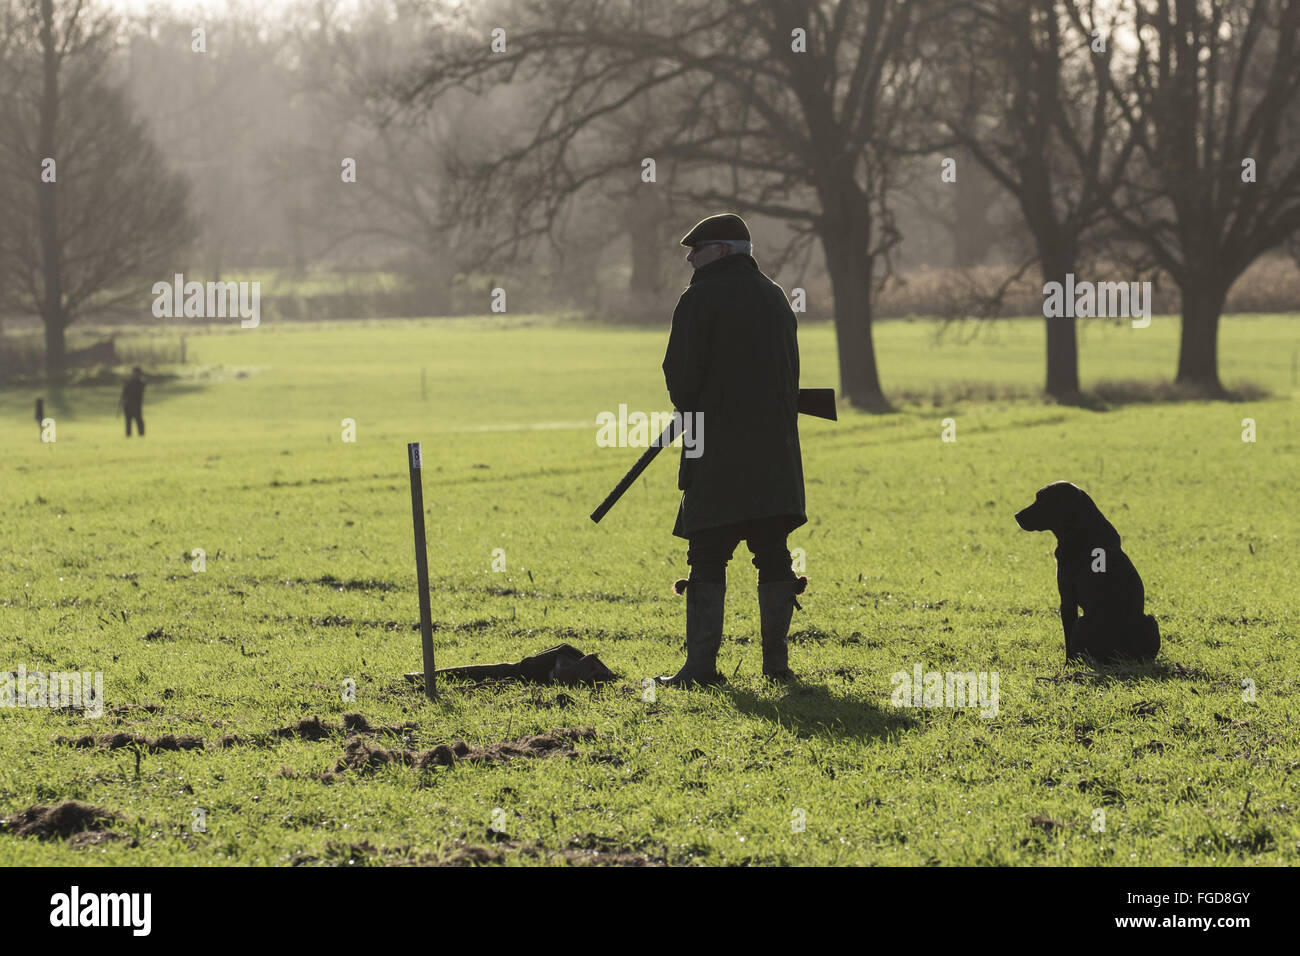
663,441
819,402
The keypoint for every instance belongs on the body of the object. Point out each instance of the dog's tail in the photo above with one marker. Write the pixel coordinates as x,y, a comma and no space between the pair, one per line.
1150,637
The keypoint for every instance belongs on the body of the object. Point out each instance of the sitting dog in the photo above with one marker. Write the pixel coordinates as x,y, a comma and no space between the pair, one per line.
1093,573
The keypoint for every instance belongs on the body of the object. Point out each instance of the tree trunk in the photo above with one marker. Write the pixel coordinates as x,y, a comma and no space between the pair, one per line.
1062,341
47,203
1198,346
851,274
1062,360
56,351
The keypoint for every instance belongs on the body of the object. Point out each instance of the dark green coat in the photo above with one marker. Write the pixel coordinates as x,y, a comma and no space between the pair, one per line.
734,355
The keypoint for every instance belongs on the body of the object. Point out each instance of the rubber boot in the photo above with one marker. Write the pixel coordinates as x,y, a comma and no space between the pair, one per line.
776,603
704,607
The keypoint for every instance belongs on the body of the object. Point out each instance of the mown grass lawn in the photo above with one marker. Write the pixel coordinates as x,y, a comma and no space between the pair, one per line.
911,548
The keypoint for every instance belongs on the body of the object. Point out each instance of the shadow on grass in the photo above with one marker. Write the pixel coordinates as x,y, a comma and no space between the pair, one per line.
1115,394
1102,397
882,406
957,393
1125,672
812,710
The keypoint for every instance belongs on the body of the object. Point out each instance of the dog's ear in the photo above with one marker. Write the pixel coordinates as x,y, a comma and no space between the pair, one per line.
1068,507
1084,513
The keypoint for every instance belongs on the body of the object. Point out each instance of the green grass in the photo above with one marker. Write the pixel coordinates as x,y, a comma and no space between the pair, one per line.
911,548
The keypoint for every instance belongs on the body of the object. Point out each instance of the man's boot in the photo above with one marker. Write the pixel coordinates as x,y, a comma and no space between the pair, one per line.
776,604
704,607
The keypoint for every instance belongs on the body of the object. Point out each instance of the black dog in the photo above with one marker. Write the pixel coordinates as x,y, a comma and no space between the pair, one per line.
1093,573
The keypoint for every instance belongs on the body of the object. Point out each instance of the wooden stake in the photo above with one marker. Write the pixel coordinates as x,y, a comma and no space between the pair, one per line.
422,568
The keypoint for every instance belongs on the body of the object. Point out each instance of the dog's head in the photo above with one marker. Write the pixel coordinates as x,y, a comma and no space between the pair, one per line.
1061,507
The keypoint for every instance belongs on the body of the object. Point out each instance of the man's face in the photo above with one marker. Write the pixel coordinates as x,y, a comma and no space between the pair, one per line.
702,253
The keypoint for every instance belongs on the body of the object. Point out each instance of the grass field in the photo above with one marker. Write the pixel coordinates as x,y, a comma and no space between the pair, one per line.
911,548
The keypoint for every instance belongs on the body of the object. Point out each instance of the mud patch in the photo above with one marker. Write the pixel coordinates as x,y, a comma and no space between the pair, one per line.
92,838
1046,823
120,741
365,756
124,709
353,584
475,856
339,854
357,724
587,849
591,850
309,728
87,825
367,854
552,743
313,728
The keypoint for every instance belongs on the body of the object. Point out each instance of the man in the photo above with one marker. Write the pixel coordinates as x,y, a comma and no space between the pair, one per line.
733,356
132,401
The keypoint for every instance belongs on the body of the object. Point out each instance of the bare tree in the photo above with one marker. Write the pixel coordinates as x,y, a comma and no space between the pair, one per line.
809,135
90,204
1032,101
1211,102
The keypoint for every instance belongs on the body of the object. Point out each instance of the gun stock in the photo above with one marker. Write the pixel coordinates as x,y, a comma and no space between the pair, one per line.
818,402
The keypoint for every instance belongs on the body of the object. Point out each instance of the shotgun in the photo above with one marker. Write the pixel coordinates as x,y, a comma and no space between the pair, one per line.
818,402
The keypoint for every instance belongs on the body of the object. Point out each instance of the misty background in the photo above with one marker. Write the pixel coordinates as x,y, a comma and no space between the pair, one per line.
214,141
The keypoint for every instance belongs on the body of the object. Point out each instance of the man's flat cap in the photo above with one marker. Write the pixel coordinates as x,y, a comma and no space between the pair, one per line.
726,226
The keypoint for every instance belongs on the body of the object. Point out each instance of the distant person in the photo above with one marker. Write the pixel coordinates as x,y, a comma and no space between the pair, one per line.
40,412
133,401
733,357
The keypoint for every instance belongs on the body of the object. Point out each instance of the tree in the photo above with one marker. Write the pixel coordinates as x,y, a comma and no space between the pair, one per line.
1032,103
794,110
90,204
1211,103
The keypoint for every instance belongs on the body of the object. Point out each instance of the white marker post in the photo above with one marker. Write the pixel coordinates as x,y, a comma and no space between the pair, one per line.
422,568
